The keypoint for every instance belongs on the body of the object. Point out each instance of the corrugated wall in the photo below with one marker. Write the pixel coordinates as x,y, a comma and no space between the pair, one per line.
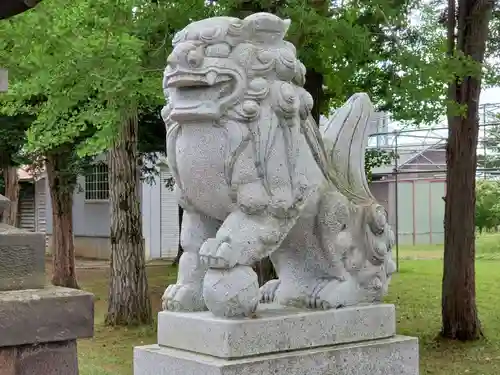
419,210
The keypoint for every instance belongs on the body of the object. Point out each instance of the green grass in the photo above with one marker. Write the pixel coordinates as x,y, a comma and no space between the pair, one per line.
110,351
487,247
415,291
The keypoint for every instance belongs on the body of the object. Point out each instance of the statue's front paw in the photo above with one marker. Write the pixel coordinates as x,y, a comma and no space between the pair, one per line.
268,291
179,297
218,253
334,294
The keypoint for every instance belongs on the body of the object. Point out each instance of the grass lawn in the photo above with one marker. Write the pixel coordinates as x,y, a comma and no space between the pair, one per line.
487,247
415,291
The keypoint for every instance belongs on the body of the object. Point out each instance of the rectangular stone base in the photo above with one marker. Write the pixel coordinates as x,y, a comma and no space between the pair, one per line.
51,314
397,355
275,329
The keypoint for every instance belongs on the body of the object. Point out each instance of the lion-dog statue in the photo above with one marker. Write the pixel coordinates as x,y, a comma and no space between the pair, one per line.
257,177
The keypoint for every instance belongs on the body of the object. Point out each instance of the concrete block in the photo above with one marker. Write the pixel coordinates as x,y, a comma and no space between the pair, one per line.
22,259
57,358
45,315
275,329
392,356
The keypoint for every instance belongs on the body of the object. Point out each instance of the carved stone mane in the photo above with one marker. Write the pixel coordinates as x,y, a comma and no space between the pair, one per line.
251,60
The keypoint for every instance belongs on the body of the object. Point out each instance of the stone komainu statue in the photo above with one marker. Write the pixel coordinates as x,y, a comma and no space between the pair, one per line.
257,177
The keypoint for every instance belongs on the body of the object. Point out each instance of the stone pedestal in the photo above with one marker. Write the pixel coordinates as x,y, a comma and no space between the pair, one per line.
39,324
39,329
22,259
358,340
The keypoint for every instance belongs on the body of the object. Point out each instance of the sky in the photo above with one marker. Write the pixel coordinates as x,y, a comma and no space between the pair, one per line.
491,95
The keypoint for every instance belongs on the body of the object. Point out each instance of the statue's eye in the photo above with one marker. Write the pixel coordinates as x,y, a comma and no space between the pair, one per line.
194,58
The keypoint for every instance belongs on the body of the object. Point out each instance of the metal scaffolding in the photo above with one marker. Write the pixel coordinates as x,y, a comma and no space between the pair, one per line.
413,164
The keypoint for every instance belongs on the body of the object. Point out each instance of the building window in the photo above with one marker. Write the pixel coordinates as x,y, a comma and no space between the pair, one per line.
96,183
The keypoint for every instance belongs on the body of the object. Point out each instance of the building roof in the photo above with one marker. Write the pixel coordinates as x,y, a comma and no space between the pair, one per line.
26,173
405,159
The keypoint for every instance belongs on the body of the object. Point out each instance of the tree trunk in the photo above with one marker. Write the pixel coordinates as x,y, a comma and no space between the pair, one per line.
11,182
459,312
62,184
129,302
180,250
314,85
265,271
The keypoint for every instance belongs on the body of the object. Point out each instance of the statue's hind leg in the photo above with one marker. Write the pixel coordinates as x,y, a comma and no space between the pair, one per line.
298,281
306,281
305,268
300,287
187,294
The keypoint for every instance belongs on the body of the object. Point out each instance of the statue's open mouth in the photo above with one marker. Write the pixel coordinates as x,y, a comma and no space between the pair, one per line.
198,95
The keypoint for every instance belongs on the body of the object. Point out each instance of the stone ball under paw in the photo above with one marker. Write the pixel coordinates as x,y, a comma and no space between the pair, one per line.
231,292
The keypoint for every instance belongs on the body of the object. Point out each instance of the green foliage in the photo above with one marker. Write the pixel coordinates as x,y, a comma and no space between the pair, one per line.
376,158
487,204
81,69
492,76
152,135
87,60
12,139
366,46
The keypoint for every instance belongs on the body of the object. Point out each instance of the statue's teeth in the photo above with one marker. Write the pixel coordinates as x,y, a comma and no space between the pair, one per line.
211,78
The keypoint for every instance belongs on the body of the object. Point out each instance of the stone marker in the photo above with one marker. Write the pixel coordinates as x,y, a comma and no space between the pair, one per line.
257,177
22,260
39,324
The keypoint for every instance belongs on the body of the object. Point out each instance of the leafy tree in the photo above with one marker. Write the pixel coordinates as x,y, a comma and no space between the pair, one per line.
355,46
467,32
120,50
375,158
487,205
96,82
63,166
12,139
